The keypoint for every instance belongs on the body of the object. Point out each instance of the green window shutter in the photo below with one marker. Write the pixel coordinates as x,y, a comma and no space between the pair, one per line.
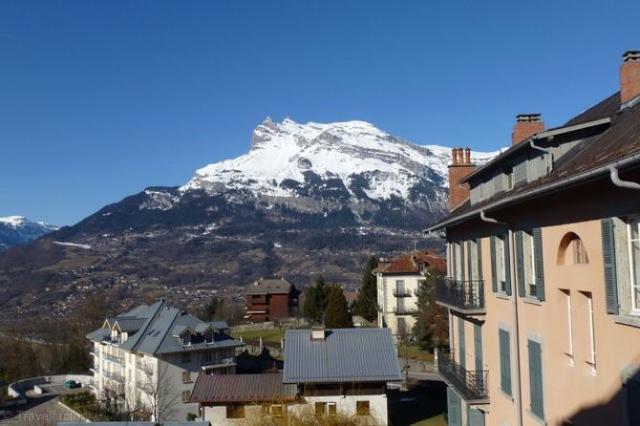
462,350
609,257
469,263
505,361
538,260
477,346
494,270
507,264
454,409
479,251
520,263
535,379
475,417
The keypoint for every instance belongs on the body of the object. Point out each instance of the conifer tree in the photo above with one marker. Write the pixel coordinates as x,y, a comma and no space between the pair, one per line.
432,325
337,313
366,304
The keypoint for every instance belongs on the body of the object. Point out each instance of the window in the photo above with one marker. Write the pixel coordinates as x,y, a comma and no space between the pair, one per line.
535,379
529,265
633,236
186,376
402,327
277,410
591,360
186,357
333,409
320,407
362,408
500,274
505,361
569,348
572,250
186,396
235,411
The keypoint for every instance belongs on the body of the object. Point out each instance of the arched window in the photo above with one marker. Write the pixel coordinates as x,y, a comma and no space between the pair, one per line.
572,250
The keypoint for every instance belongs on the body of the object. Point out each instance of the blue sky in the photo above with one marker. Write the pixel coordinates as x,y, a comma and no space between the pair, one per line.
99,99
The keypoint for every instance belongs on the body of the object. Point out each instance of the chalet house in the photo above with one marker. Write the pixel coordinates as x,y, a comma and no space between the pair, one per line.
148,359
543,286
326,373
398,281
236,399
271,299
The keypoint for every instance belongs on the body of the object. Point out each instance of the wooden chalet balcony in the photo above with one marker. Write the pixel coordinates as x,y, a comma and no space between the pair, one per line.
471,385
466,297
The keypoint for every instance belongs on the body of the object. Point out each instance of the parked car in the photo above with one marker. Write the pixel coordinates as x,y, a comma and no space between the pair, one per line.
71,384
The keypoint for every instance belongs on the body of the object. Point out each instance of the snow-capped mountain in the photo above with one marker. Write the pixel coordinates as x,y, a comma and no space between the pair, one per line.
17,230
284,154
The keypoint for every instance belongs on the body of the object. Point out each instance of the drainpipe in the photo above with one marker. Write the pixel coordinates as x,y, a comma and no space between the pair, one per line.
514,304
545,150
613,171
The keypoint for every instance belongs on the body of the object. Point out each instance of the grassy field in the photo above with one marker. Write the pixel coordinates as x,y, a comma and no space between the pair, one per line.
268,336
414,352
433,421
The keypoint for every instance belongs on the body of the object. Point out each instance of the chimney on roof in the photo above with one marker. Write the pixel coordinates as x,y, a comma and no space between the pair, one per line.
459,168
318,333
630,76
526,126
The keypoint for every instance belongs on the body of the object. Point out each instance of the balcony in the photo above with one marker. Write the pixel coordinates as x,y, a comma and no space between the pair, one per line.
469,384
402,293
114,376
113,358
405,310
466,297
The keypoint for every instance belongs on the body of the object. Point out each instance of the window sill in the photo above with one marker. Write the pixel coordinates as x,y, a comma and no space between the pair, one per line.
532,300
627,320
536,418
504,296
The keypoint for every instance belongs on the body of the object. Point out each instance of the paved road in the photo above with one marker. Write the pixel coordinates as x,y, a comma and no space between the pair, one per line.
42,410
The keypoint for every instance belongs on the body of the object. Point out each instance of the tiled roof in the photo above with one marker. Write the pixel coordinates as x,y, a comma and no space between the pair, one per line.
620,141
269,286
344,355
156,327
221,388
411,263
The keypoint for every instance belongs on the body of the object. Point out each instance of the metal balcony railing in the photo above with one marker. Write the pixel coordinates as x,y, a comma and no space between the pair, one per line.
114,376
463,296
470,384
405,310
402,293
114,358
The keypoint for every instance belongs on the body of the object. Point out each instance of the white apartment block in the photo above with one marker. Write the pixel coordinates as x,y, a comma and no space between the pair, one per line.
147,360
398,282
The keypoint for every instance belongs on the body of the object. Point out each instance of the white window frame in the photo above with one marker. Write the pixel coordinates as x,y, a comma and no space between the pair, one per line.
635,303
569,353
501,263
592,342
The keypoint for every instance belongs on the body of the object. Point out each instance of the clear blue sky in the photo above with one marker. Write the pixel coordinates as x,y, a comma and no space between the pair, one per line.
99,99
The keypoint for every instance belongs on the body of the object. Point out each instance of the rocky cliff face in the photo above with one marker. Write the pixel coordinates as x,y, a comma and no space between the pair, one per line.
305,199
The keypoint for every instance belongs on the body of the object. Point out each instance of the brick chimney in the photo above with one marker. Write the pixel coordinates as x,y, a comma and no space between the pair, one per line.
526,126
459,168
630,76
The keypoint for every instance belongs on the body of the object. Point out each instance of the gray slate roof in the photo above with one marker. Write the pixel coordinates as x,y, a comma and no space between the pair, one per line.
269,286
152,330
345,355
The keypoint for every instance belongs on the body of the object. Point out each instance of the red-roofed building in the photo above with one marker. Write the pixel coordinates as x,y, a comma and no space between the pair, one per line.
398,280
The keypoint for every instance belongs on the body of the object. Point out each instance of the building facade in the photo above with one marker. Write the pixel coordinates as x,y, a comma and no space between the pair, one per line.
398,282
147,360
543,282
270,299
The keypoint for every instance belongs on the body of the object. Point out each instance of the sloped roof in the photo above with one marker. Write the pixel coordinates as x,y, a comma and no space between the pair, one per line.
221,388
344,355
269,286
411,263
152,330
617,143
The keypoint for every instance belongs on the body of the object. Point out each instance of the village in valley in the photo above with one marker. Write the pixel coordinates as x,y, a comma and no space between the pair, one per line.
334,273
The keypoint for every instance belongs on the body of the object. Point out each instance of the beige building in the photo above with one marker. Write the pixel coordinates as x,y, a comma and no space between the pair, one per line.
398,281
543,285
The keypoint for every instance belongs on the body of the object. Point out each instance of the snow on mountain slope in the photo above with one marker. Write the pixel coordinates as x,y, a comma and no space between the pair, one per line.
347,151
16,230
